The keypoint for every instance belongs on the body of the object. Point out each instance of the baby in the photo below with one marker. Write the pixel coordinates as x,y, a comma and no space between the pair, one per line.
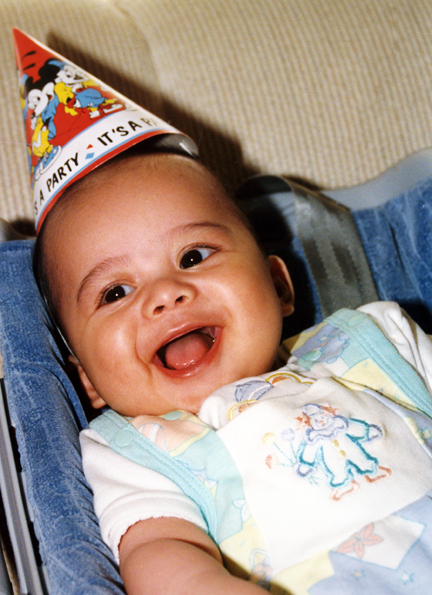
212,464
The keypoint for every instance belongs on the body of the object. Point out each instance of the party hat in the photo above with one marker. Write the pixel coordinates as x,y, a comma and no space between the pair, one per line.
74,122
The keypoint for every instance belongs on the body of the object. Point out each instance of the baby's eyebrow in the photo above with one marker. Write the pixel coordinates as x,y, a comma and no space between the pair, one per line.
102,267
202,225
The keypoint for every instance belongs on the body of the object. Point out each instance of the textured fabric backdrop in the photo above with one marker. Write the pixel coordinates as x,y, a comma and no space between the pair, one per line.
332,92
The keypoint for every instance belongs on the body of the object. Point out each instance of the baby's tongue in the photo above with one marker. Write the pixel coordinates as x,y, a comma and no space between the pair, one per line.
187,350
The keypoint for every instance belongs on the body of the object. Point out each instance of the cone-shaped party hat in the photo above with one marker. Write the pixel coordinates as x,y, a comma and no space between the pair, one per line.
74,122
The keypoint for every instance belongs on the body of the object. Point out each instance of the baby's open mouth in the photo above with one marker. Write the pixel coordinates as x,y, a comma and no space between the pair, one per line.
188,349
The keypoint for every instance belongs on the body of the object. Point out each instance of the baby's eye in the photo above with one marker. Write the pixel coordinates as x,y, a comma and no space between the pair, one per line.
116,293
195,256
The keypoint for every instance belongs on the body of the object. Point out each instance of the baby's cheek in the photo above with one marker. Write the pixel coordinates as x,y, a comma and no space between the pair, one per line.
105,348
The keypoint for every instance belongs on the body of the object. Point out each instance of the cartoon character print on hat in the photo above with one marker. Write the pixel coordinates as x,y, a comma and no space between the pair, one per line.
74,122
60,100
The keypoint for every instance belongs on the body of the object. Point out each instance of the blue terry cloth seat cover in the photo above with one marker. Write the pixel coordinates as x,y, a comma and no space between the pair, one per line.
397,237
48,416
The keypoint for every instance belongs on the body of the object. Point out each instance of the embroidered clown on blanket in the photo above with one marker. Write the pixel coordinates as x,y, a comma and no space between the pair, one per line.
337,445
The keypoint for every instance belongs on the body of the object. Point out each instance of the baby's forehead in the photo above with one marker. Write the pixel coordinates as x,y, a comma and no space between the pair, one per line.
155,167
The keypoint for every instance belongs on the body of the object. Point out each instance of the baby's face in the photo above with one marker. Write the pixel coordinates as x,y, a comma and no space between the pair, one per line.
163,293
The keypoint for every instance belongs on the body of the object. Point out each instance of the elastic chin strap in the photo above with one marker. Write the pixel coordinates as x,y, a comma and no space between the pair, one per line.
65,342
55,325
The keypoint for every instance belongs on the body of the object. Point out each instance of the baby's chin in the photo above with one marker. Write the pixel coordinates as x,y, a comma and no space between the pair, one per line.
192,385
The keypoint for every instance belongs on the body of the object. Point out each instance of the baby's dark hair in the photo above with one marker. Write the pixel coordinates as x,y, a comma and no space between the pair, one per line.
42,276
43,272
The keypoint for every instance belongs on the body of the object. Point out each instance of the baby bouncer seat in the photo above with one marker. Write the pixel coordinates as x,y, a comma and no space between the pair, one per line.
343,248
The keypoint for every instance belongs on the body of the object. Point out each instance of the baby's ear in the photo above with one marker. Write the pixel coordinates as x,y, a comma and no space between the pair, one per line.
96,401
283,284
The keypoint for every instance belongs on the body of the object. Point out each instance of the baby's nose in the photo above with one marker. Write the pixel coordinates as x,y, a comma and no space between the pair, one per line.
161,307
167,294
